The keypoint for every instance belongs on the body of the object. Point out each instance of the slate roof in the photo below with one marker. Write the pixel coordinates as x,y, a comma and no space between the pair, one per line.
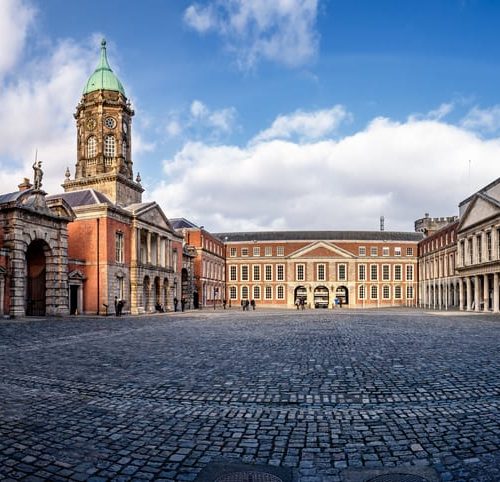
182,223
320,235
84,197
11,196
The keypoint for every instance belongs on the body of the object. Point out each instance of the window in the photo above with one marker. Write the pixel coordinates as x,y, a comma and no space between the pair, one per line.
280,272
232,252
256,272
300,272
244,272
373,251
233,293
244,292
479,249
124,149
321,272
397,292
362,251
362,272
268,272
374,292
397,251
280,292
342,272
385,251
256,292
268,292
373,272
398,272
488,245
409,292
409,272
109,146
91,147
361,292
280,251
232,273
386,292
471,253
256,251
119,243
386,272
268,251
409,251
244,251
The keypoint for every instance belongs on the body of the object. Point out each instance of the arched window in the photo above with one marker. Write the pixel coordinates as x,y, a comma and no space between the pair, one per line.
91,147
124,149
109,146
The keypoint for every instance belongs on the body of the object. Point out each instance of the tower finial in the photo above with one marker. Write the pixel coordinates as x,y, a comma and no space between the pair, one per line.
103,43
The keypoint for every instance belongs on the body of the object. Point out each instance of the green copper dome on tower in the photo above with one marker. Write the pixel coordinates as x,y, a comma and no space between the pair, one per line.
103,77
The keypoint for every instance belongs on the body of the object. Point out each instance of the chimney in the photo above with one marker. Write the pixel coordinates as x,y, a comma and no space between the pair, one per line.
25,185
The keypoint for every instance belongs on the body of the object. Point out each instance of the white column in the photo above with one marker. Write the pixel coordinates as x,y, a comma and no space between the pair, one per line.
495,293
477,303
486,292
468,291
461,294
148,247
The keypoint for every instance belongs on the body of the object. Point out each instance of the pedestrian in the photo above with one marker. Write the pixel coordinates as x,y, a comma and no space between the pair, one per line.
253,304
297,303
247,305
176,301
120,307
116,305
183,304
224,303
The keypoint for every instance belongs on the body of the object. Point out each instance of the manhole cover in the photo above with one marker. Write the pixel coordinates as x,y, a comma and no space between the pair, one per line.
394,477
248,477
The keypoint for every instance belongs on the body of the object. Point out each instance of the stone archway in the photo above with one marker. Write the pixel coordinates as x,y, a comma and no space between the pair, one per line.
321,297
342,293
146,291
300,294
36,273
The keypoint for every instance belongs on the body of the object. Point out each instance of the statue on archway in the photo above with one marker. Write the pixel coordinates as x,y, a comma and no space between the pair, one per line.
38,175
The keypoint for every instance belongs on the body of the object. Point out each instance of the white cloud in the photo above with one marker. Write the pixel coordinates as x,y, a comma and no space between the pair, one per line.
281,31
483,120
397,169
306,125
16,16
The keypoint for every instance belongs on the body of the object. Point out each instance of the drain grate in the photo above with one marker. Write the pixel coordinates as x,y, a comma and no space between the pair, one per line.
248,477
395,477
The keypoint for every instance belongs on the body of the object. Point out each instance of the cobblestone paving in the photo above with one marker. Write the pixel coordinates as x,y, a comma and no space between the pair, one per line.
160,397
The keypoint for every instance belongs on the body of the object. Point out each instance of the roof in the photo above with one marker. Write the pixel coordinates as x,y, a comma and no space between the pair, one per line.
182,223
103,77
84,197
11,196
320,235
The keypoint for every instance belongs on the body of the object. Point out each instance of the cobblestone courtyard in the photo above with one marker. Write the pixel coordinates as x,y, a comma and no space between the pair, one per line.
325,393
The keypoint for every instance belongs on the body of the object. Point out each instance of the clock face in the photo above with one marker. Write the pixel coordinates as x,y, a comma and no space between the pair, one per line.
110,123
91,123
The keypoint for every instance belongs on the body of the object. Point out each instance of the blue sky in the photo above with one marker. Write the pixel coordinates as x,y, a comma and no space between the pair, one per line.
268,115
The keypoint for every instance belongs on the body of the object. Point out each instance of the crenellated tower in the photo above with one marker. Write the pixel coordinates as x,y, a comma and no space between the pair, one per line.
104,138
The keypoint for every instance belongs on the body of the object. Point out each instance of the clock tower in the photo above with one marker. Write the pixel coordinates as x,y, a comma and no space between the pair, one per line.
103,124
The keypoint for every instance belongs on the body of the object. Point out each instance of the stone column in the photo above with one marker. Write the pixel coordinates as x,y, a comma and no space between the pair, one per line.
495,293
468,291
461,294
477,303
486,292
148,247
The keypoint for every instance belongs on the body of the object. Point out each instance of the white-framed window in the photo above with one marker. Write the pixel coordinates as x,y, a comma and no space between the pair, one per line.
256,292
280,272
233,273
268,272
373,272
362,292
362,272
232,252
256,272
119,245
385,251
373,251
233,293
109,146
409,292
280,251
300,272
268,292
244,251
362,251
268,251
373,292
397,292
124,149
397,251
409,272
409,251
256,251
488,246
91,147
342,272
386,292
321,272
280,292
244,292
386,272
398,272
244,272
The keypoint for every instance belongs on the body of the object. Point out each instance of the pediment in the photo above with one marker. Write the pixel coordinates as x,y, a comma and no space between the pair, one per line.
154,215
479,210
76,275
321,249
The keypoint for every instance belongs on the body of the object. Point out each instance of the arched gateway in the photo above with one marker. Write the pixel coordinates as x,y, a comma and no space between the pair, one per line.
36,266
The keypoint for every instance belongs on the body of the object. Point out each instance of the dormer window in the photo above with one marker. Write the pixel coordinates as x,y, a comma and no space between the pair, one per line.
109,146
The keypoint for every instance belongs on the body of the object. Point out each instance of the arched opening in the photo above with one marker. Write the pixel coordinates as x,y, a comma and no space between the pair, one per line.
36,273
342,293
165,294
300,295
184,284
196,301
157,291
321,297
146,293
